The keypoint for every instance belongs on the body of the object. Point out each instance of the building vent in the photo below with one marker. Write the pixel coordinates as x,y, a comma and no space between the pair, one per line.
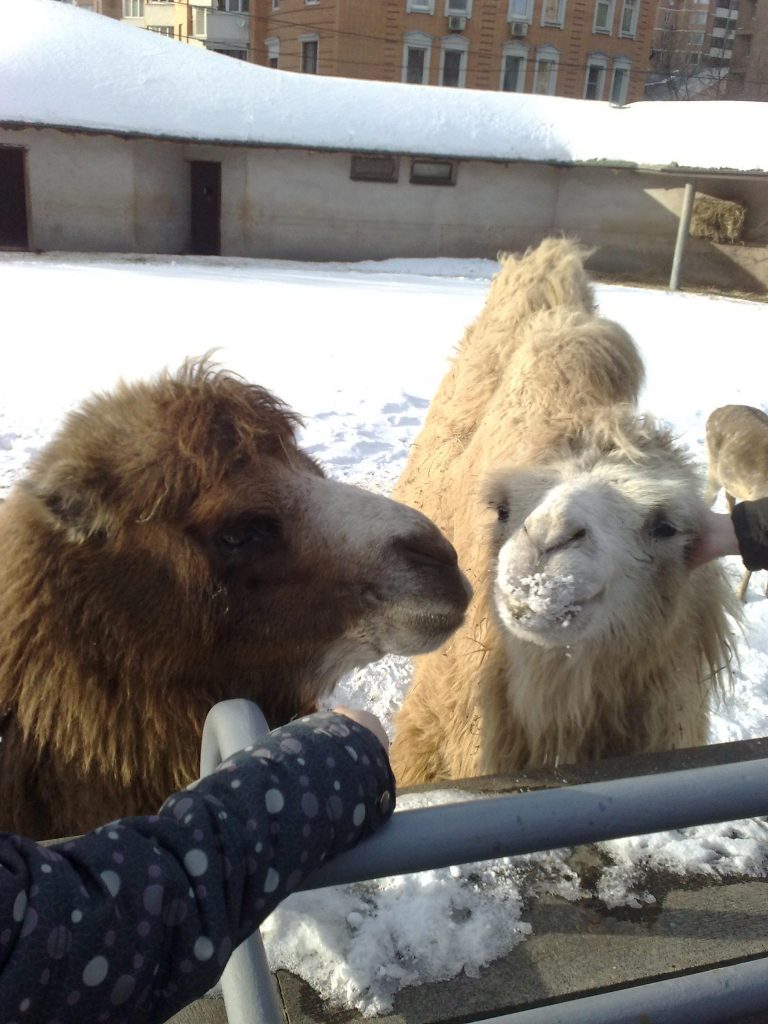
518,29
456,23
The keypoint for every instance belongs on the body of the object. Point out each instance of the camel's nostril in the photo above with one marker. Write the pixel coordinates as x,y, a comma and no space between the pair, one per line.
426,549
564,539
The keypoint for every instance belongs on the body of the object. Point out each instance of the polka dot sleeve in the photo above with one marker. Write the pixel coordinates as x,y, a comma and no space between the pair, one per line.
138,918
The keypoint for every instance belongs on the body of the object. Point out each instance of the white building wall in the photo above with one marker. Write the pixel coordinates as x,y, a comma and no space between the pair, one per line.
99,193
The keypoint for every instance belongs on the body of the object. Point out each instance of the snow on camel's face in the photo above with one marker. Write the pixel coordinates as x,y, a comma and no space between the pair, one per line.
586,552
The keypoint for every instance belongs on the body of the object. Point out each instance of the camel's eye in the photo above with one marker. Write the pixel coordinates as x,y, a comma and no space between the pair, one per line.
502,512
661,528
242,535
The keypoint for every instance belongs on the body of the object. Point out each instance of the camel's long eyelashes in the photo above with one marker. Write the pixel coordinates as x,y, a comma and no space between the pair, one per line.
244,535
660,527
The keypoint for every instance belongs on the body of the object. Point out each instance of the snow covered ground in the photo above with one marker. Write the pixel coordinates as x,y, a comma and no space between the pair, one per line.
359,350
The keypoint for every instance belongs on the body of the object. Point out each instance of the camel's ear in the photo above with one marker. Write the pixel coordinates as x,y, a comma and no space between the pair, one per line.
66,498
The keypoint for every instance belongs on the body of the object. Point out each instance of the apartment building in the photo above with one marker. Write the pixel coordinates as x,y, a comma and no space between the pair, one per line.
218,25
692,48
594,49
748,76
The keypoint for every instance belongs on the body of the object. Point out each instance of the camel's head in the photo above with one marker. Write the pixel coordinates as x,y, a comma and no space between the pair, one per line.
187,528
594,544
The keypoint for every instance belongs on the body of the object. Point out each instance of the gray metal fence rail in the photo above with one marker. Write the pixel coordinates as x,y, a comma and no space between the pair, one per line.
433,837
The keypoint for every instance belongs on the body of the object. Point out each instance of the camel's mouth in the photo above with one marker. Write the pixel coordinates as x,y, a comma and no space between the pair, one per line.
546,608
416,631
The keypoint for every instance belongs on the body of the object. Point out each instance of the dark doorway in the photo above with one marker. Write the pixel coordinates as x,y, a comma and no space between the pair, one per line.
206,208
13,199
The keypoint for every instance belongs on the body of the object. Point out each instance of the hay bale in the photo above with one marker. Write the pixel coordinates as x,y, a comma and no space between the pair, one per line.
718,220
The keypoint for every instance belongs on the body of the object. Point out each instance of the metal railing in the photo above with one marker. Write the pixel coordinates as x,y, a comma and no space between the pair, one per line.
435,837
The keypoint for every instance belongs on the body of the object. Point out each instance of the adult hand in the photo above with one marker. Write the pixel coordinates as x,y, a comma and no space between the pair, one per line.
368,721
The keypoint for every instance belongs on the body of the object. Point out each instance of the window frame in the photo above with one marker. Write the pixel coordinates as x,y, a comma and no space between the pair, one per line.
599,61
454,44
303,41
634,8
527,17
550,55
357,174
419,6
417,41
199,18
610,9
520,51
557,22
130,6
427,179
465,13
620,64
272,46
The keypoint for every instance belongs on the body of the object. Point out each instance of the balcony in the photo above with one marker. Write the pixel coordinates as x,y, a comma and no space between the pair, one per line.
217,27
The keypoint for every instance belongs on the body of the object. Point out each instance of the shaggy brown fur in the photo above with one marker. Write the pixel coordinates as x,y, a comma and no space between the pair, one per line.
552,481
737,450
173,547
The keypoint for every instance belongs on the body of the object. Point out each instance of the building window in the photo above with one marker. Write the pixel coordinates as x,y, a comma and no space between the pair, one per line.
420,7
199,21
513,62
310,3
273,51
365,167
603,21
629,12
463,8
545,72
162,30
453,63
520,10
433,172
620,82
595,80
553,13
133,8
275,5
309,49
232,6
417,47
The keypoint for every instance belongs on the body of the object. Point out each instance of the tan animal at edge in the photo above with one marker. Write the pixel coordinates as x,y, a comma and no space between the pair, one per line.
737,460
572,515
172,547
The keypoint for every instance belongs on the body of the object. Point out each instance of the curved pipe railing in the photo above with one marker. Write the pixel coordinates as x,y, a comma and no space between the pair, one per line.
461,833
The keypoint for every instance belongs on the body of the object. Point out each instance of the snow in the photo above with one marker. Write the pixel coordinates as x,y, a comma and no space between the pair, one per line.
105,75
359,349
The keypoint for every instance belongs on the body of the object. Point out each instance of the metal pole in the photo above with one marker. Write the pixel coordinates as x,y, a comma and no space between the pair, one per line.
703,997
247,985
504,826
682,235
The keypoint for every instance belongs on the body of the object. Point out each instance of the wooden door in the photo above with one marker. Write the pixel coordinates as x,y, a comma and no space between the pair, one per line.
13,198
205,208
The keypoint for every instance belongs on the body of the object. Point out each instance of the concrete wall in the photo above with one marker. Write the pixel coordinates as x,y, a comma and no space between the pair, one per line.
107,194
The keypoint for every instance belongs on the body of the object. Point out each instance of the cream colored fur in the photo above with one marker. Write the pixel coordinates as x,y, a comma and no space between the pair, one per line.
535,463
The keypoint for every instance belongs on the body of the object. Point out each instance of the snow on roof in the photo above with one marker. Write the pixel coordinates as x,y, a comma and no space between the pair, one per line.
63,66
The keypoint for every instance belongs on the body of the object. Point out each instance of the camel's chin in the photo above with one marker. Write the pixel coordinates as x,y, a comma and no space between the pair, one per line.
424,632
